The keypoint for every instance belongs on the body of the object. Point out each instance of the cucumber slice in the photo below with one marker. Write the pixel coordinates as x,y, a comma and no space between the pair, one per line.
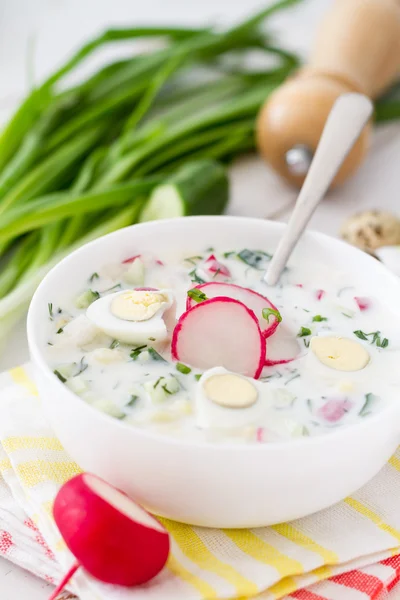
162,389
198,188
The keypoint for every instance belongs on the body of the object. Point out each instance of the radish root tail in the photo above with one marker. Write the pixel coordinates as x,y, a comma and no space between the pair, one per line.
64,581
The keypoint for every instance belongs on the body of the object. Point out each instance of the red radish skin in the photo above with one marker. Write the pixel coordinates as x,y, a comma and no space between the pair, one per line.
131,259
320,294
216,267
363,303
112,538
253,300
283,348
273,363
220,332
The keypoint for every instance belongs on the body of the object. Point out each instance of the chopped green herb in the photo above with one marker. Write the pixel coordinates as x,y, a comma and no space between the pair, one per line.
319,319
60,377
376,338
310,405
198,376
360,334
93,277
306,342
254,258
268,312
210,249
192,259
294,376
304,331
197,295
158,381
114,344
195,278
183,368
151,339
229,254
347,315
60,330
155,356
50,307
217,272
133,400
82,366
135,353
166,390
117,286
306,310
50,344
369,400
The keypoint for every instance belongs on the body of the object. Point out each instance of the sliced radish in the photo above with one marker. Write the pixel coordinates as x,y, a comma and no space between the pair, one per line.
220,332
320,294
214,266
112,538
362,303
131,259
283,347
254,301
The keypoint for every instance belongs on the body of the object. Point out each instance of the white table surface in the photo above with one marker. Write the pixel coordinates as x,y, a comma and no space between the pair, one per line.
41,33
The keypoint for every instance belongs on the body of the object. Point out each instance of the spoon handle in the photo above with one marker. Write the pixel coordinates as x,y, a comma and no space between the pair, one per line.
345,122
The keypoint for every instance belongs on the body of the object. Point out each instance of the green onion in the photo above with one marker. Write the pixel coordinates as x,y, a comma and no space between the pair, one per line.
268,312
79,161
183,368
198,376
155,355
60,377
319,319
304,331
197,295
254,258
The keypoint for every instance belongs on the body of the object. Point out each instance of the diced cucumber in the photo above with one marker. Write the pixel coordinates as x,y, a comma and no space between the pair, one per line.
86,299
67,370
134,275
106,356
162,389
108,407
198,188
77,385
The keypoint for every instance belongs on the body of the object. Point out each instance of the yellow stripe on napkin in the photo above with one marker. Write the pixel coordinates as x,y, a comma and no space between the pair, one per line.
34,472
251,544
20,376
11,444
370,514
298,537
195,550
394,462
205,589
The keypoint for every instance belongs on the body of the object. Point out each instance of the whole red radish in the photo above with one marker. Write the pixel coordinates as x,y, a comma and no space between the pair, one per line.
221,332
112,538
253,300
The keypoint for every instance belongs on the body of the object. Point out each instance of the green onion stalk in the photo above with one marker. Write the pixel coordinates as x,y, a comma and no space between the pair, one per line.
78,162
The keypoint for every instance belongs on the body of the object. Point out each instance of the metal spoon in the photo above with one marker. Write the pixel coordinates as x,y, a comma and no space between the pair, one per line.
346,120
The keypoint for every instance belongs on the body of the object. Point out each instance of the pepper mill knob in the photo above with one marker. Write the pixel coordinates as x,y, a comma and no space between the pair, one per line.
357,50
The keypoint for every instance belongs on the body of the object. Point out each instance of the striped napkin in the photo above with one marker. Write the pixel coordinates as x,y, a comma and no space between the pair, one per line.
347,552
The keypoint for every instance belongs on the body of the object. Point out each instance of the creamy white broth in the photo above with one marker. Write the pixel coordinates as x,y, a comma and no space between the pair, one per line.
305,398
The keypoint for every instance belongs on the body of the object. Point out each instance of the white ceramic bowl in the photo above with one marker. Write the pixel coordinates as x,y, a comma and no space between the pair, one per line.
206,484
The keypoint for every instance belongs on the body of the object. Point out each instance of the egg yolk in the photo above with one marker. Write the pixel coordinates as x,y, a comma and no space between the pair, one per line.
137,305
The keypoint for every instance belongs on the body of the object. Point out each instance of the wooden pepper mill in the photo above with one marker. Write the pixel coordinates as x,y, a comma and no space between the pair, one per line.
357,50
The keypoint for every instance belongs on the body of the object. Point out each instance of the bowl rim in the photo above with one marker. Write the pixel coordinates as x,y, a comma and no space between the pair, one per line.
39,360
